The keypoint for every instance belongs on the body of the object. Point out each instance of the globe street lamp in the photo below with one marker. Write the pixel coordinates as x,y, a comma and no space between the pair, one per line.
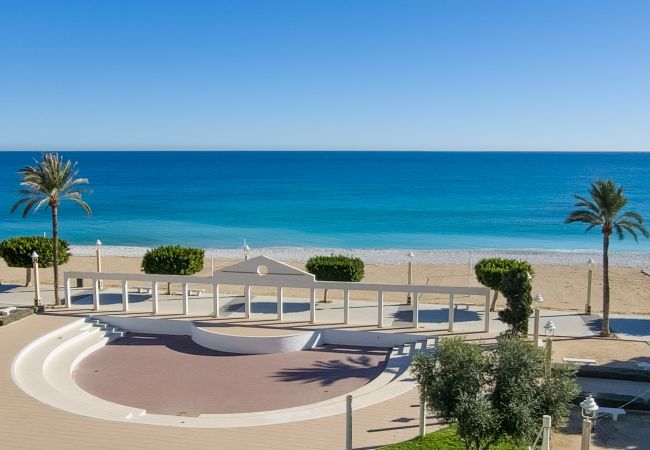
37,281
590,263
537,303
411,256
98,255
549,330
589,411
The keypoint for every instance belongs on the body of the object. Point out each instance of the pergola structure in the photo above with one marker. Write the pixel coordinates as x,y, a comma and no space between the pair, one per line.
266,272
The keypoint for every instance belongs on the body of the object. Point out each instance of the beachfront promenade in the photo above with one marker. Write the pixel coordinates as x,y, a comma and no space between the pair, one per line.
392,420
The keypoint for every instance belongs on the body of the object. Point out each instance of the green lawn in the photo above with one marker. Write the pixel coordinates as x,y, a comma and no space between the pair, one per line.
443,439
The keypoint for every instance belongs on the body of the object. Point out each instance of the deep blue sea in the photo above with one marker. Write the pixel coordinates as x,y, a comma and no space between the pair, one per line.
409,200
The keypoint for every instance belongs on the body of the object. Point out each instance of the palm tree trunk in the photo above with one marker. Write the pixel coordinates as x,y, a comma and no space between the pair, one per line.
55,251
605,327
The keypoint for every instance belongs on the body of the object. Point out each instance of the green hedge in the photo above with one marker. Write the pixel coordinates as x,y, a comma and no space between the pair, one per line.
614,373
20,313
17,251
335,268
173,260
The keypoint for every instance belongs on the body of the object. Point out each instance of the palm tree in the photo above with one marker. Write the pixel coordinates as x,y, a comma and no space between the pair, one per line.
604,211
47,184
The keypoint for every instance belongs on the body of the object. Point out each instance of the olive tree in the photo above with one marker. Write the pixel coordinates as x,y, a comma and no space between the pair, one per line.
493,394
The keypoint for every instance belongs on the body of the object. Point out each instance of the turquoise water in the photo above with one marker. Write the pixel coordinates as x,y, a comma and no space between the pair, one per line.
413,200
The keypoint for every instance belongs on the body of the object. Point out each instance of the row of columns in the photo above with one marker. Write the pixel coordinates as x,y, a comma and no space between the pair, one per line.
280,303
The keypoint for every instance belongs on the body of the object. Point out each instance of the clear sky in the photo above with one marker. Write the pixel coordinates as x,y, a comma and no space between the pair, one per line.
336,74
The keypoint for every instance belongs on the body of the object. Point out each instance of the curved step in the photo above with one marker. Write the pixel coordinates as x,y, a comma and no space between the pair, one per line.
44,368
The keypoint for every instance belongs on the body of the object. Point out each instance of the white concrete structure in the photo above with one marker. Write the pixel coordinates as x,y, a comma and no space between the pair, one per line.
43,370
263,271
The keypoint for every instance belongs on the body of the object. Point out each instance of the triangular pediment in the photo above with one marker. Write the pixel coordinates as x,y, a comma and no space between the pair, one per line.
262,265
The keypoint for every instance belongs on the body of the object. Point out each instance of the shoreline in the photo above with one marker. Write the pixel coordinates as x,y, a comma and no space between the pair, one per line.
400,256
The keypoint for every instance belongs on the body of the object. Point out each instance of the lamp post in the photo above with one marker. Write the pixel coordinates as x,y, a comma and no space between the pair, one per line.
37,281
590,263
411,256
589,411
247,250
549,330
98,254
537,303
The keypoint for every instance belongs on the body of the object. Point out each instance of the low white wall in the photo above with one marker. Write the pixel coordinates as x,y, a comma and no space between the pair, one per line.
250,345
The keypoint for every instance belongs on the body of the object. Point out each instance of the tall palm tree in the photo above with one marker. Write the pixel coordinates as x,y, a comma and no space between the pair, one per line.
47,184
604,211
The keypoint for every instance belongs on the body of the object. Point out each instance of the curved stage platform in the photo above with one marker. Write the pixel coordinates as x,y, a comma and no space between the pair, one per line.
317,358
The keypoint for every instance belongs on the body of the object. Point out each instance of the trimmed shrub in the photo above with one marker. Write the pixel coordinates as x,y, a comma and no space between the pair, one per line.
335,268
490,271
173,260
17,251
516,288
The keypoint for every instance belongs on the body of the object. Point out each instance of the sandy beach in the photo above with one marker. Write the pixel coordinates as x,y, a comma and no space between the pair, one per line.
561,277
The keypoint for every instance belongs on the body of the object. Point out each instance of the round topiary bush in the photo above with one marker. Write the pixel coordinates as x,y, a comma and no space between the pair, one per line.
490,272
173,260
17,252
335,268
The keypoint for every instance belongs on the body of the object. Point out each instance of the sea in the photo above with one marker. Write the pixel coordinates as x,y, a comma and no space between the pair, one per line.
333,199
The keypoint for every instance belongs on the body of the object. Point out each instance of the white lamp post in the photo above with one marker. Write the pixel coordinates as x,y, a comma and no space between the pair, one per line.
590,263
37,281
247,250
537,303
589,411
98,254
411,256
549,330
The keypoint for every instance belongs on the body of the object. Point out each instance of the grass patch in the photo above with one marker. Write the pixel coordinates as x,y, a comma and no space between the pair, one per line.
446,439
18,314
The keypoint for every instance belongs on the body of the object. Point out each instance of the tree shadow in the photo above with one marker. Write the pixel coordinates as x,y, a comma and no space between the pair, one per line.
633,327
436,315
9,287
264,307
108,298
181,344
329,372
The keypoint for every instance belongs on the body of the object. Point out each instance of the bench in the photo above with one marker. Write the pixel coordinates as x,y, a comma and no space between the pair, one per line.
580,361
195,292
615,412
461,306
8,310
142,290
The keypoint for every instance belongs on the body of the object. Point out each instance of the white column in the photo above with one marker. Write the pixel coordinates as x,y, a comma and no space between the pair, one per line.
37,286
68,296
280,295
487,314
186,300
247,301
154,297
346,306
451,312
312,305
215,299
125,295
96,294
380,309
99,265
415,300
546,434
423,416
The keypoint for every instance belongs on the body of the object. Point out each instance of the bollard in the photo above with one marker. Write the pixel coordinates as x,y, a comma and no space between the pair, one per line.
348,422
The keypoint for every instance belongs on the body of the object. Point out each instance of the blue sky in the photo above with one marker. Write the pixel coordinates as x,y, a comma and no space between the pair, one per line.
349,74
